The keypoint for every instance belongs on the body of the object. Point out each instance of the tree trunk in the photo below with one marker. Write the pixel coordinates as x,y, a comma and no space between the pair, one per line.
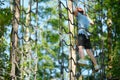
109,29
14,38
72,55
109,41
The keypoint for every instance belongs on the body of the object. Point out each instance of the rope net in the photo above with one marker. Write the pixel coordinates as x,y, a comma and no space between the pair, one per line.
24,59
28,30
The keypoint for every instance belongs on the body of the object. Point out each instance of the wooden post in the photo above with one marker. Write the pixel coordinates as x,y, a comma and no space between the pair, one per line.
72,54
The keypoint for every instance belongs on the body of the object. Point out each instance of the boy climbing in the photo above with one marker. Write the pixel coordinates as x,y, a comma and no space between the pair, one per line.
84,36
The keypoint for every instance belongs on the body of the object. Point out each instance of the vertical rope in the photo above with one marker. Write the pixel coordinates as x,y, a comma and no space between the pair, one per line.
102,45
61,43
36,28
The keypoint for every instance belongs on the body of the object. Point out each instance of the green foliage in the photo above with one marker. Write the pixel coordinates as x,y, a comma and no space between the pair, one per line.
54,23
115,64
48,38
3,44
51,37
113,13
5,16
47,45
5,19
4,60
108,10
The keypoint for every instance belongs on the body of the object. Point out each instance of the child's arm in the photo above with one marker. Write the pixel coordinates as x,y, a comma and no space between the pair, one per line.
75,12
90,20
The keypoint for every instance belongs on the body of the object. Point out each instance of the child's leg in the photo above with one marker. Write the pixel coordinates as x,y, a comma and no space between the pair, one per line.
81,52
81,39
89,52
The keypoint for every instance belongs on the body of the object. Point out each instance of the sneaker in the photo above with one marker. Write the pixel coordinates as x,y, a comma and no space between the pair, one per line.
97,67
82,62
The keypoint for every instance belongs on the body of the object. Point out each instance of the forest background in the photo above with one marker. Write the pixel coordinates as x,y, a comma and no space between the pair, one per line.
30,51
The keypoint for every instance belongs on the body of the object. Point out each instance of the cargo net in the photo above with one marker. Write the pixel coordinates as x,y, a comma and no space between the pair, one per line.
24,59
26,30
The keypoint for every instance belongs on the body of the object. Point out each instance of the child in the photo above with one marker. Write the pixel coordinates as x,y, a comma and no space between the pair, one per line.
84,37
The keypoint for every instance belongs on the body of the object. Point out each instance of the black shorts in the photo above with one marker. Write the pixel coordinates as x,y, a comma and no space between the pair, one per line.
83,41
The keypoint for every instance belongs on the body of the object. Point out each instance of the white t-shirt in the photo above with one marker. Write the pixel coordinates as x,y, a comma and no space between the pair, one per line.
83,24
83,20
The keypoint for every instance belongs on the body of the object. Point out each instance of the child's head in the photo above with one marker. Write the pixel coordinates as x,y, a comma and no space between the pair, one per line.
80,10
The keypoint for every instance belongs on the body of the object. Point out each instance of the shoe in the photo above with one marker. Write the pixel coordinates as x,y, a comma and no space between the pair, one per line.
97,67
82,62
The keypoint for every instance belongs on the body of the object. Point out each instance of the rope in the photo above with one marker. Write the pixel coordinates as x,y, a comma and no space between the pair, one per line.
24,56
63,42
